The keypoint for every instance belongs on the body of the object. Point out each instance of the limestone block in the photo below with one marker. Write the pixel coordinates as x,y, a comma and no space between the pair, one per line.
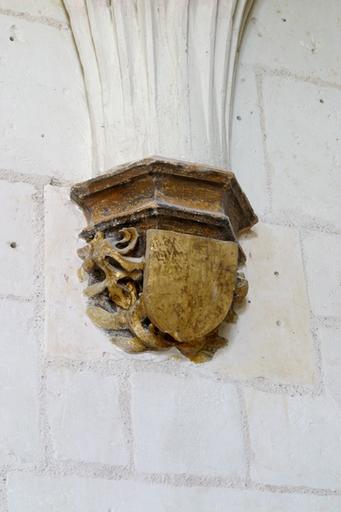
19,425
186,426
322,253
85,418
303,144
25,58
294,440
27,493
51,9
69,332
293,35
271,339
182,56
247,152
17,243
330,341
44,123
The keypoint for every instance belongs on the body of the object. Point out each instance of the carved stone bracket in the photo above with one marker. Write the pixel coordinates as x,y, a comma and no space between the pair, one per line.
162,254
159,76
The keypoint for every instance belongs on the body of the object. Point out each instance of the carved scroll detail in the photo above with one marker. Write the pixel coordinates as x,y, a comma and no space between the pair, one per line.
116,276
123,275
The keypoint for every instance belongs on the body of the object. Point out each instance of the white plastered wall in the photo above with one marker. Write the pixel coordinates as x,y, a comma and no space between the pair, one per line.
87,428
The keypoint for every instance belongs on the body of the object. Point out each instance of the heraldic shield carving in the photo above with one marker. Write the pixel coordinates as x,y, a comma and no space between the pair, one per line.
188,283
162,255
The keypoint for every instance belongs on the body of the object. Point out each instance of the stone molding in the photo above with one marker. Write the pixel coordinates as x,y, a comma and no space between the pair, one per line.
159,76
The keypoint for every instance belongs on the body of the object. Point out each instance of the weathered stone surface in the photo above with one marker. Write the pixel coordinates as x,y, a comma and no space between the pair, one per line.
28,493
293,36
188,283
17,241
271,339
37,9
247,147
165,194
330,342
85,418
177,225
305,163
69,332
44,122
322,253
281,349
182,56
298,40
294,440
173,418
19,425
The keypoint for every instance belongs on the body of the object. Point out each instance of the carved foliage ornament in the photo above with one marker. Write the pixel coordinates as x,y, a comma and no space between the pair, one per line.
162,255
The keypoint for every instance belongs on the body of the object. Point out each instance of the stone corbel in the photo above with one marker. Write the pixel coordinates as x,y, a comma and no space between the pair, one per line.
162,255
162,251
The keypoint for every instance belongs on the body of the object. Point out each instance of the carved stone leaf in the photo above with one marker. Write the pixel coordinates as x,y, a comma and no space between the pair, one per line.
107,320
